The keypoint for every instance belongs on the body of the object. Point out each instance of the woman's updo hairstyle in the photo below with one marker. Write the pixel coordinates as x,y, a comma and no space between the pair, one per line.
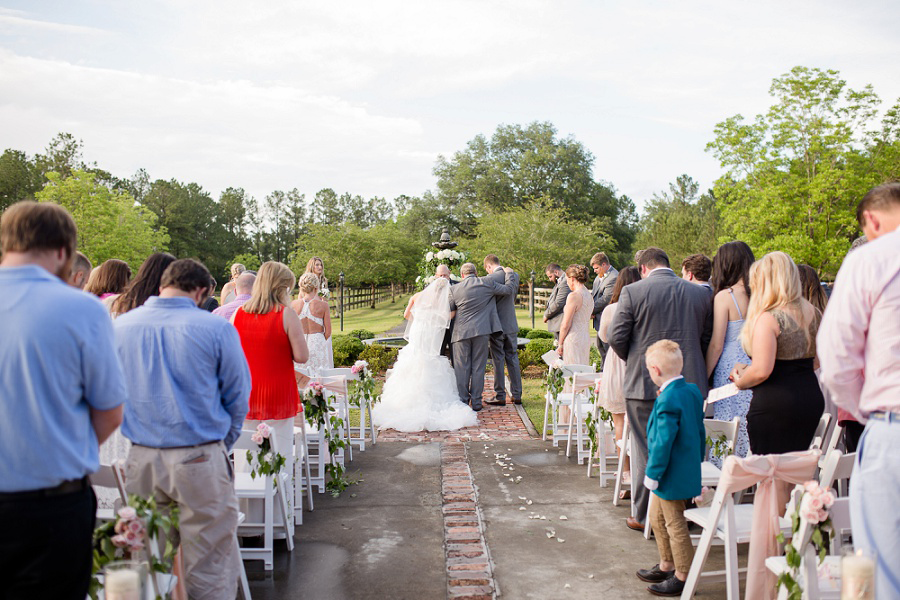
309,282
577,272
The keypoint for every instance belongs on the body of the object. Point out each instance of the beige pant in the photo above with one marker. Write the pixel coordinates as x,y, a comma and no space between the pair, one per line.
673,540
199,481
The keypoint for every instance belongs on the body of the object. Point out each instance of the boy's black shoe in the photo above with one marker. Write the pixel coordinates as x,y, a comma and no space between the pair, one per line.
670,587
654,575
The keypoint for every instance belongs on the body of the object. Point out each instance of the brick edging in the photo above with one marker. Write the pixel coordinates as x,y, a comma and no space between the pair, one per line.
470,571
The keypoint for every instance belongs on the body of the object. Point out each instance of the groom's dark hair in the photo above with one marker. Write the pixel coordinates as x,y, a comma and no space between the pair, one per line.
653,257
552,267
491,259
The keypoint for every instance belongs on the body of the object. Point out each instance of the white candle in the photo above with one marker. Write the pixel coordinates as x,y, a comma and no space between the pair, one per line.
857,577
124,584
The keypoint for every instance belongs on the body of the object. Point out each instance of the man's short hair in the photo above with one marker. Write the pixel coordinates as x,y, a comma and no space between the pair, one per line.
882,197
442,267
32,226
653,257
666,355
186,274
468,269
491,259
698,265
81,263
599,259
245,282
552,268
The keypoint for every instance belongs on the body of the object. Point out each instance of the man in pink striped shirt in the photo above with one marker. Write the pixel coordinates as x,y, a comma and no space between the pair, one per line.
859,351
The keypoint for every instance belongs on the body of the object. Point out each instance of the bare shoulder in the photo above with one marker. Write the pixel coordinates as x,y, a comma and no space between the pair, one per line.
297,306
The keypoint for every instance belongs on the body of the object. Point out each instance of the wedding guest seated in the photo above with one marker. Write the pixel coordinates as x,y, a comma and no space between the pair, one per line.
81,271
62,393
189,394
676,443
697,268
243,287
108,281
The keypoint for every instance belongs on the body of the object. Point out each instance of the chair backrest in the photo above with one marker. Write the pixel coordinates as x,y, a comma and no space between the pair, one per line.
837,466
822,427
716,428
338,371
584,380
569,371
244,441
816,443
835,438
112,477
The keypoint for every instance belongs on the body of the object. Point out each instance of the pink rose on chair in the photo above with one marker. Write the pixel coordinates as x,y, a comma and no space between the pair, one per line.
256,438
264,430
358,367
127,513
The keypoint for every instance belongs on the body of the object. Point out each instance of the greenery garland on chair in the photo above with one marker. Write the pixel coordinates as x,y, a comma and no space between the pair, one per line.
317,412
126,538
267,462
603,415
362,391
814,505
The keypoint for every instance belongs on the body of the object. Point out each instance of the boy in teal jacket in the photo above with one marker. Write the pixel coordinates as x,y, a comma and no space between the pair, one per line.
676,444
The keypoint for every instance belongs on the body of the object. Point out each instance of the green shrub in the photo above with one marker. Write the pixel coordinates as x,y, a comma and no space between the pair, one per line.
595,358
523,331
524,359
346,350
362,334
539,334
537,348
379,357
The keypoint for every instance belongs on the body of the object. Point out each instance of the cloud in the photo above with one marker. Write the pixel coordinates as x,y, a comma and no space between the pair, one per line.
17,19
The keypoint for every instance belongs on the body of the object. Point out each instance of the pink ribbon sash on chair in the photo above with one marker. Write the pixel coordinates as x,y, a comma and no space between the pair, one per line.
766,470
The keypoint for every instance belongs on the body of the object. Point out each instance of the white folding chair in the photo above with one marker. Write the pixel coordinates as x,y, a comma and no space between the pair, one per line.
583,403
564,398
338,394
303,479
245,585
263,488
819,436
624,453
606,453
107,478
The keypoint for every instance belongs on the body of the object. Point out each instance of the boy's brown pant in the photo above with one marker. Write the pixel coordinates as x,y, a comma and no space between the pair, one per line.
671,531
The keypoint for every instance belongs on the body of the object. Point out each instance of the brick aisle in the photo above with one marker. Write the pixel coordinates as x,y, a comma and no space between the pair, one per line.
494,423
470,572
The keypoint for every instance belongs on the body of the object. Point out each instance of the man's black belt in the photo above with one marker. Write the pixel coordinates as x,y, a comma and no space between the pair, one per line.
66,487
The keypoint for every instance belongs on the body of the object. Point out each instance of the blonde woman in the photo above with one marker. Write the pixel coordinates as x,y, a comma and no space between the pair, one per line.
780,337
272,338
228,291
317,268
316,319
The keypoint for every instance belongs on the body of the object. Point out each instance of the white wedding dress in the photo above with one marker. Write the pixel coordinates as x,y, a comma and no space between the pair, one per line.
420,394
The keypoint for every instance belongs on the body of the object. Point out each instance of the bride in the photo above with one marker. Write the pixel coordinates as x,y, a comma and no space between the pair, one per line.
420,393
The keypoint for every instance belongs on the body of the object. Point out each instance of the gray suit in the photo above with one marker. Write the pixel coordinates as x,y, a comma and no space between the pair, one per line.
555,305
504,346
476,319
602,292
662,306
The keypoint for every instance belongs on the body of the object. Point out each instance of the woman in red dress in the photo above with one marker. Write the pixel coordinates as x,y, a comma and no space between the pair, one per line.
272,338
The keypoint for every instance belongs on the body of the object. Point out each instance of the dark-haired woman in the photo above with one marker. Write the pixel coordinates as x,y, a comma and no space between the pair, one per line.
730,276
108,281
144,285
612,386
575,331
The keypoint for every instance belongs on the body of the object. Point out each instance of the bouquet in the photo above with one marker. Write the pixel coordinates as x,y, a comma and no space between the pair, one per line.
267,461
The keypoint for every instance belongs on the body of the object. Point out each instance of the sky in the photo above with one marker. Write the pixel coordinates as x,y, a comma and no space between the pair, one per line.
363,96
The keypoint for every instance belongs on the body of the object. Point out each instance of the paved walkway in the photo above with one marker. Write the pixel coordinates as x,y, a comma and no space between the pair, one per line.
480,513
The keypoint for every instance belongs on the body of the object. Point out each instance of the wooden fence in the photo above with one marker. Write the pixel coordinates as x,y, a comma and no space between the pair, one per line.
366,296
541,295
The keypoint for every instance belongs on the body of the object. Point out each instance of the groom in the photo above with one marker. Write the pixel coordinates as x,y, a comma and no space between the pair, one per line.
476,319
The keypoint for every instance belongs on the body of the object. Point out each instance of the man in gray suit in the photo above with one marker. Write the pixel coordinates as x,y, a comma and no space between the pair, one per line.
553,314
661,306
476,319
602,292
504,344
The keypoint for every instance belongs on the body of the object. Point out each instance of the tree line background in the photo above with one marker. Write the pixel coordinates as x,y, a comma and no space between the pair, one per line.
791,180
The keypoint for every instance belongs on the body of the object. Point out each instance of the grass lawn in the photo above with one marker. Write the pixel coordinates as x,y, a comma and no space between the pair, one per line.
377,320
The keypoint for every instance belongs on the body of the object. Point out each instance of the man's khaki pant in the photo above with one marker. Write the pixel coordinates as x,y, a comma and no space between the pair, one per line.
671,531
199,481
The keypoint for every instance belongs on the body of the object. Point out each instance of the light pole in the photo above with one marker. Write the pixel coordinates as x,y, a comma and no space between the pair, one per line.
531,298
342,300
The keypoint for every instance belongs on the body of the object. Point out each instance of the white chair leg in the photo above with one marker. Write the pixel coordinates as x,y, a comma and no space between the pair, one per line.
647,518
245,585
620,469
285,514
572,409
309,493
371,423
546,416
269,528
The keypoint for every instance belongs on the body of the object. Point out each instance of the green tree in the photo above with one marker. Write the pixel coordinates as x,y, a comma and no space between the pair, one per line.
531,236
19,178
795,174
519,165
681,221
110,225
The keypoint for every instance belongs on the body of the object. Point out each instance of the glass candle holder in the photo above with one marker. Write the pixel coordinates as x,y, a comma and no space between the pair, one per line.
125,580
858,575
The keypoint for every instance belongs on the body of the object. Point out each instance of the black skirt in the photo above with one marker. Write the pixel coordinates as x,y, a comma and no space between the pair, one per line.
785,409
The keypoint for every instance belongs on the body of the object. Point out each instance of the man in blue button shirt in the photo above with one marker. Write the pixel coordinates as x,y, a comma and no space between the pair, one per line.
61,395
190,387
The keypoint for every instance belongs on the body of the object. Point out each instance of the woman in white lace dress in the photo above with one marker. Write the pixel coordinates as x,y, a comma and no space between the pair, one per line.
316,318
